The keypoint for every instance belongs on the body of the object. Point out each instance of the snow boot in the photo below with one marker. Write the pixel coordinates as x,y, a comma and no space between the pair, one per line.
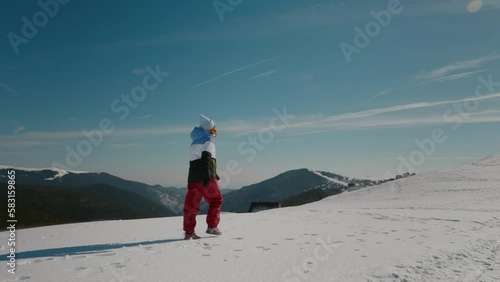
191,236
214,231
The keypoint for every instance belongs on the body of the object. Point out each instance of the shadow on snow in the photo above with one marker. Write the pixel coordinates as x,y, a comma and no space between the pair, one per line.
82,250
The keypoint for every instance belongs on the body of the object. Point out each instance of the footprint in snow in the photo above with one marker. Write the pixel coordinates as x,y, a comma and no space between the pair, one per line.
394,275
42,260
312,234
206,246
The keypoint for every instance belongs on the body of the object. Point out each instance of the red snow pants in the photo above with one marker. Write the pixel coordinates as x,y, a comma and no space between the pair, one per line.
212,196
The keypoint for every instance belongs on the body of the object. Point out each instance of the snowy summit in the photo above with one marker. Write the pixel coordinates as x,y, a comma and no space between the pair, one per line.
58,173
437,226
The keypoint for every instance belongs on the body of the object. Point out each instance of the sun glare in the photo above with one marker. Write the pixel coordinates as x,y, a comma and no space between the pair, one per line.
475,6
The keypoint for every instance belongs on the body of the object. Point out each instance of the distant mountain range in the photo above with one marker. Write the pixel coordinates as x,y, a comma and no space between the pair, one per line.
282,187
42,205
91,196
170,197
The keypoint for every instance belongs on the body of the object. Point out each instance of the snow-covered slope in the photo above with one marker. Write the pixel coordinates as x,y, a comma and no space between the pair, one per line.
437,226
330,179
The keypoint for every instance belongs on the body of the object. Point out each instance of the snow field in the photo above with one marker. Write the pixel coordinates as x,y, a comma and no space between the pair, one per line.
437,226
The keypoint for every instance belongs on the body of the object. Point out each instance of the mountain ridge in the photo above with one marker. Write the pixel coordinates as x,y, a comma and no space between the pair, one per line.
167,196
278,188
281,187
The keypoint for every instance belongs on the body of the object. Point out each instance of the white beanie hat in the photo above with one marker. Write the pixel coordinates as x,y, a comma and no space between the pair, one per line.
206,123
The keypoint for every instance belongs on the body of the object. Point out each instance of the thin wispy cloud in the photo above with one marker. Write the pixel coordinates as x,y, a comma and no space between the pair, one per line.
25,139
24,143
453,158
457,76
271,72
127,145
386,122
7,88
313,124
263,24
18,129
140,143
234,71
146,116
383,93
123,136
371,119
451,77
437,158
299,126
420,105
267,24
458,66
308,133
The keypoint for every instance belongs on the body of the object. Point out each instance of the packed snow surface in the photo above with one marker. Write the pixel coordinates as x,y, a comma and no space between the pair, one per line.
437,226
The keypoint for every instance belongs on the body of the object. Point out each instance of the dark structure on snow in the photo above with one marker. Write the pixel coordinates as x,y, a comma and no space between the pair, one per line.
261,206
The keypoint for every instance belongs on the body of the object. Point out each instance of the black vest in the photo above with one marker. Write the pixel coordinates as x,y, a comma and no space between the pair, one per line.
204,169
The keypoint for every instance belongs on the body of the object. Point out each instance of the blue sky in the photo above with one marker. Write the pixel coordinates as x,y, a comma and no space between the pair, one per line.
361,116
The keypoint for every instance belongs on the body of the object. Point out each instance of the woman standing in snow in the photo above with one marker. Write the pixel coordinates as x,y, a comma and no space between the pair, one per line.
202,180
